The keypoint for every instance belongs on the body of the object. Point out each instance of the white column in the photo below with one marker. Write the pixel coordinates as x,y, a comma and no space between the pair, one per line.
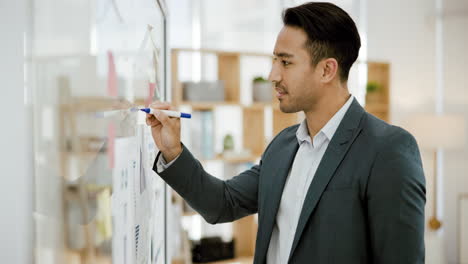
439,103
15,143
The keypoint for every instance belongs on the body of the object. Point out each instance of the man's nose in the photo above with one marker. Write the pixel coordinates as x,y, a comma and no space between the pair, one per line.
274,76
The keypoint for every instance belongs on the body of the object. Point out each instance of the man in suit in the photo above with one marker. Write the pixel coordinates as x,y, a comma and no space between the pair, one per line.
341,187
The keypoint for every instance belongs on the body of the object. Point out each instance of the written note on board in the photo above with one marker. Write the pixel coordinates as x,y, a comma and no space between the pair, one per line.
137,201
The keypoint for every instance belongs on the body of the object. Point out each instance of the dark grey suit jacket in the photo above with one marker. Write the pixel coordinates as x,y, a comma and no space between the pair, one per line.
364,205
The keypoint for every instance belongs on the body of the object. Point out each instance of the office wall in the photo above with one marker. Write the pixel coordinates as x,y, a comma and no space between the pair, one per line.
456,101
403,33
407,42
255,30
180,23
15,152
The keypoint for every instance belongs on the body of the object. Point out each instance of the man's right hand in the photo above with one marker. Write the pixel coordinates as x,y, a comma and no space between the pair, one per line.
165,131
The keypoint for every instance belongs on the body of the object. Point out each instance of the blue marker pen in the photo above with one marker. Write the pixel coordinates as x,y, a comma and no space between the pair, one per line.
167,112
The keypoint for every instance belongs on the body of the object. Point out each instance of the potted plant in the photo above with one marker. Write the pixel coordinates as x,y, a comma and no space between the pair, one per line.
228,143
373,94
262,90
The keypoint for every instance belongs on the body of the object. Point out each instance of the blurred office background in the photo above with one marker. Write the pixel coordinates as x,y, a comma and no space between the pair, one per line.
411,71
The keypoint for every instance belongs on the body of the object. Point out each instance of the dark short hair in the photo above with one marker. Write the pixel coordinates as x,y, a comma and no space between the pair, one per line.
331,33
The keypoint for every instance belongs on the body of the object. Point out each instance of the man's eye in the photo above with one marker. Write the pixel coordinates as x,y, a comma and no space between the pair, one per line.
285,63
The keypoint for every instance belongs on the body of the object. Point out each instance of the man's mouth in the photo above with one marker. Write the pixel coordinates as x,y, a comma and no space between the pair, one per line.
280,93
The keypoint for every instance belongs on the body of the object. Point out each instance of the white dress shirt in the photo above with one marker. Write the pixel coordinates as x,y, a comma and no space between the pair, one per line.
300,176
297,184
161,163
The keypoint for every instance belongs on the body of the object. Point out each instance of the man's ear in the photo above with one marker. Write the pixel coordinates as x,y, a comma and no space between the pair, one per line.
329,69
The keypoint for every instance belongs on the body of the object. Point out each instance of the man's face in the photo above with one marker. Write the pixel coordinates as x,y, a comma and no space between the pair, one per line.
296,80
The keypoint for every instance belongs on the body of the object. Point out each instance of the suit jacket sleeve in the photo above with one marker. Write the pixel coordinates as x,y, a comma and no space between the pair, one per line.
216,200
396,196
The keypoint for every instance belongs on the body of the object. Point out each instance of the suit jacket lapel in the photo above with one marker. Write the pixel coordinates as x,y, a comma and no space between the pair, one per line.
271,200
344,136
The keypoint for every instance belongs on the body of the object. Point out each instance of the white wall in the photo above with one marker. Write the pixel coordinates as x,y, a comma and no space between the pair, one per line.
180,23
403,33
254,30
17,181
456,101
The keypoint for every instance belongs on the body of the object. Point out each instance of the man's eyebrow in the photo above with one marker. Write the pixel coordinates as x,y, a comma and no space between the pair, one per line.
283,55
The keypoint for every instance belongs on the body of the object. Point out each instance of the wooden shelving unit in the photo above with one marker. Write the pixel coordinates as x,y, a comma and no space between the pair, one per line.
207,106
253,127
378,102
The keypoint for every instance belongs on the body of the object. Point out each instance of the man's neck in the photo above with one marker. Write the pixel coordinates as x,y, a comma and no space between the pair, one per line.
324,110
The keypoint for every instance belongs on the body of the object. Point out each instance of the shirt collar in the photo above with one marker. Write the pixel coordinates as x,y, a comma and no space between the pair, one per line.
302,133
330,127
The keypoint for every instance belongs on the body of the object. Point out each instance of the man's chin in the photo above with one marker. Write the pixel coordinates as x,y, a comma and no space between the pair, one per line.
286,108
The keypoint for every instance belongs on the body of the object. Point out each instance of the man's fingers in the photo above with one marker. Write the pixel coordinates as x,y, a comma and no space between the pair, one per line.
151,120
159,117
162,117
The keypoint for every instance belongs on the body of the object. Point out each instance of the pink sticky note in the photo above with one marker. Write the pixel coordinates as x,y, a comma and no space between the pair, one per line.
111,75
151,87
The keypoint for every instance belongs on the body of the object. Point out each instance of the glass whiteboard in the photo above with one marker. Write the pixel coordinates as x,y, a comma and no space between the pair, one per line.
91,65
